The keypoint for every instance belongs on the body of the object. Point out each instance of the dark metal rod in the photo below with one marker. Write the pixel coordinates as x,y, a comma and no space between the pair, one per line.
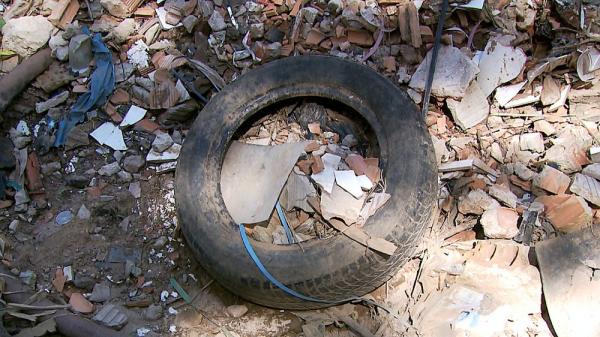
434,55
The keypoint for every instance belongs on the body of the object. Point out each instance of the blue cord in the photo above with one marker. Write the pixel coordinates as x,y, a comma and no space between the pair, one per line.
292,292
270,277
286,227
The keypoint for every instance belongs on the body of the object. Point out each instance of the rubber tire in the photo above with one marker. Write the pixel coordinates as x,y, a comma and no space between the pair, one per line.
332,269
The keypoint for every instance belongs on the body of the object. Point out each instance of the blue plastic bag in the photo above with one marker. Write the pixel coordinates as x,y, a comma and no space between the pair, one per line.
102,84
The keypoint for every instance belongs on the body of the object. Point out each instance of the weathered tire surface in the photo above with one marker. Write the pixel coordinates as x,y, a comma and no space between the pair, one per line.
331,269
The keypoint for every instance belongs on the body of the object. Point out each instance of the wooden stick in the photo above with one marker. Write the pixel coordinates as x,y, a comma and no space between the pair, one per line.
38,307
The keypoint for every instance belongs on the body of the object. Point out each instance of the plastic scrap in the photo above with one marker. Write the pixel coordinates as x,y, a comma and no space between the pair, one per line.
134,115
186,297
102,84
110,135
64,217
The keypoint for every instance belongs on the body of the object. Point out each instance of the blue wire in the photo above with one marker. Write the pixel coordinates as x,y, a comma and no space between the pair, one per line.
292,292
286,227
268,275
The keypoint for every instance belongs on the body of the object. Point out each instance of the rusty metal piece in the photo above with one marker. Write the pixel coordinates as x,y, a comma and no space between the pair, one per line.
14,82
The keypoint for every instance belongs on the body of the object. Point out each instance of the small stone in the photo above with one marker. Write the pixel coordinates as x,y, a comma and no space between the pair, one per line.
21,142
523,172
50,168
504,195
592,170
112,316
109,169
532,142
152,313
500,223
28,277
83,213
544,127
135,189
403,75
52,102
26,35
189,22
118,155
160,242
206,8
261,234
476,202
237,311
217,22
115,7
101,292
257,30
77,181
14,225
273,34
133,164
496,152
349,141
84,282
124,30
62,54
162,142
310,14
57,41
335,6
124,176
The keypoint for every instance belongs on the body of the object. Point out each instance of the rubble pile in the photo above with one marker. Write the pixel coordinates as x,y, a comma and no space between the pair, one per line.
96,99
350,183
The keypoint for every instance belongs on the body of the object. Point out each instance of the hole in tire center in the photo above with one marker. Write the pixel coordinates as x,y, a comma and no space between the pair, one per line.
331,131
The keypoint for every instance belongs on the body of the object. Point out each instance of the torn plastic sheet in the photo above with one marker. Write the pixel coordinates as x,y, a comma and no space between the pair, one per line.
102,84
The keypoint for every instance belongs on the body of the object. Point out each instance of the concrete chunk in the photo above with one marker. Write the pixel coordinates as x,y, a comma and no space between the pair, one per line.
500,223
587,188
453,73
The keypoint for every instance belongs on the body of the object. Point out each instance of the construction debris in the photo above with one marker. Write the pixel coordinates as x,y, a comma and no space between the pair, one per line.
514,122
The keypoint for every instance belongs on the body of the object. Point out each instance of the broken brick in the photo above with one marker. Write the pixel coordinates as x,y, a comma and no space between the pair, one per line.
552,180
361,38
524,184
504,195
476,202
567,213
314,37
111,111
389,64
146,125
317,165
304,165
119,97
312,146
356,163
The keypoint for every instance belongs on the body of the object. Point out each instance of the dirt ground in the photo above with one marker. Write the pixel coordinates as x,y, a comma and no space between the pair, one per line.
516,140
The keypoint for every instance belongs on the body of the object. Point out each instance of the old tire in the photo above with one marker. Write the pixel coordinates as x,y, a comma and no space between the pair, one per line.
331,269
